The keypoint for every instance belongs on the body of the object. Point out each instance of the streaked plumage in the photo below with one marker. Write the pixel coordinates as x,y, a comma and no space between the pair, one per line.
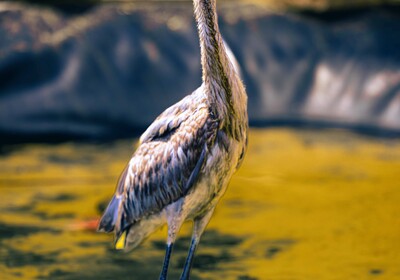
187,156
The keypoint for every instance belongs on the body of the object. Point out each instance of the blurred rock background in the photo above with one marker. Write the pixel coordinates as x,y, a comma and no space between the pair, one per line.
100,70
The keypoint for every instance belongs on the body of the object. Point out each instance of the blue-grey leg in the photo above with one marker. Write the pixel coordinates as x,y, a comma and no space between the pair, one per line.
189,260
198,229
164,272
174,221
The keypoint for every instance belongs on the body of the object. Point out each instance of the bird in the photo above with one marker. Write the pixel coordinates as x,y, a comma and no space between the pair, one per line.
185,159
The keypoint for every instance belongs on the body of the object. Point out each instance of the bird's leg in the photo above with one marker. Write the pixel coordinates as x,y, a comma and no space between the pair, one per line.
198,229
175,221
163,275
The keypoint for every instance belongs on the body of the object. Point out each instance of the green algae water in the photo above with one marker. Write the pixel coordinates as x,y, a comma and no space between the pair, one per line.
304,205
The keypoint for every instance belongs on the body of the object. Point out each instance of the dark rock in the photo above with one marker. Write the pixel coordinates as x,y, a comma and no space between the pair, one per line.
108,72
246,277
272,251
376,271
11,231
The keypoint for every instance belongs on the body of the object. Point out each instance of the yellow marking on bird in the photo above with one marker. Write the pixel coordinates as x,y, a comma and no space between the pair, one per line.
120,244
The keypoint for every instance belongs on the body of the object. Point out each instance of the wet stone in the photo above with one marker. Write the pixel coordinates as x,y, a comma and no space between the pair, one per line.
246,277
65,160
62,197
47,216
17,258
214,238
272,251
20,209
85,244
11,231
275,247
208,261
58,273
376,271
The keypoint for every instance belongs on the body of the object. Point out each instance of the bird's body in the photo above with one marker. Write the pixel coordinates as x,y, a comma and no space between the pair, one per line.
187,156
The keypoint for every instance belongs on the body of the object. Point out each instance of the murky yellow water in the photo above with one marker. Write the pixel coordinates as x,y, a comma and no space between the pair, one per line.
305,205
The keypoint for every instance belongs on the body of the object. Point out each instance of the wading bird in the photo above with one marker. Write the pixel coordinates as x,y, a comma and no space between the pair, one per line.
187,156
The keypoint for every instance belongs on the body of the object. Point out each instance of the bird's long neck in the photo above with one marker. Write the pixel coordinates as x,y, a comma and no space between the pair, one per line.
217,68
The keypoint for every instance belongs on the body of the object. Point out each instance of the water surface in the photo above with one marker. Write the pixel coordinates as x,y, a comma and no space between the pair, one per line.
305,205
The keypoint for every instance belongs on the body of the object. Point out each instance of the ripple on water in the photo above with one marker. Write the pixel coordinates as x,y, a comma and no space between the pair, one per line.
304,205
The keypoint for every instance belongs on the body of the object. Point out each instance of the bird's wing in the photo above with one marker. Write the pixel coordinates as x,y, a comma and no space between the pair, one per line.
168,121
165,166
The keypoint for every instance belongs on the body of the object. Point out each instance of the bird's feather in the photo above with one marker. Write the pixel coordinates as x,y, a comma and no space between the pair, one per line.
166,164
107,222
168,121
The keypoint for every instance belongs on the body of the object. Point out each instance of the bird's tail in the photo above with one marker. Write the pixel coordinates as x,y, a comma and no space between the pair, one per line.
127,235
135,233
107,222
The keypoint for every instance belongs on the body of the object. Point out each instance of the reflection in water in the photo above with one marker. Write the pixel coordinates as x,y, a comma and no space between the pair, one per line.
305,205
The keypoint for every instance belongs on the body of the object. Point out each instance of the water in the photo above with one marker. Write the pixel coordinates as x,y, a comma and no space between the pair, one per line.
305,205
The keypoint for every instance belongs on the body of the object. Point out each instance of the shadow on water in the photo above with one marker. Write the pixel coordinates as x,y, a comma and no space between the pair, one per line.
13,231
304,205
